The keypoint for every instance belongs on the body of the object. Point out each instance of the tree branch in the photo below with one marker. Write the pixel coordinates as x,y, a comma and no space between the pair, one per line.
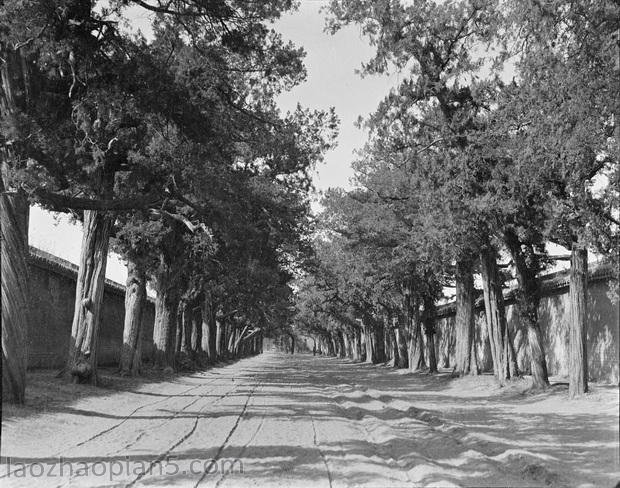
60,202
179,218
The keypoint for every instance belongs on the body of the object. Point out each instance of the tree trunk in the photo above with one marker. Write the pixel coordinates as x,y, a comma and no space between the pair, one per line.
82,357
164,330
391,339
196,342
379,332
329,345
14,220
415,345
135,301
209,328
370,346
401,346
429,330
187,320
500,340
578,351
239,337
400,335
219,339
178,339
373,331
464,317
231,334
510,354
342,353
224,336
527,298
347,345
357,345
474,369
292,344
14,213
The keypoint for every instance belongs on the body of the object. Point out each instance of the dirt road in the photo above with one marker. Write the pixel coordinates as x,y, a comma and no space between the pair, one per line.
273,420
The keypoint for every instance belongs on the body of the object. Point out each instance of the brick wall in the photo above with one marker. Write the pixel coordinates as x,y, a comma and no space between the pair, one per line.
52,288
554,310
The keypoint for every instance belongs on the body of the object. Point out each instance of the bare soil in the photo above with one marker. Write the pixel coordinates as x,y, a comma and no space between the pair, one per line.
278,421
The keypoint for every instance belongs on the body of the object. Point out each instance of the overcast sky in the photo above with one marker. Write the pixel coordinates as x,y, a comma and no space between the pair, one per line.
331,62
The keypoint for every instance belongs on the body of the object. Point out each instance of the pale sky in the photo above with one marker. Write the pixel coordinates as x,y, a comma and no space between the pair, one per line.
331,62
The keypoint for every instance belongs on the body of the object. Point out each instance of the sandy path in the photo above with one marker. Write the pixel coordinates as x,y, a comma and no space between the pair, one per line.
307,421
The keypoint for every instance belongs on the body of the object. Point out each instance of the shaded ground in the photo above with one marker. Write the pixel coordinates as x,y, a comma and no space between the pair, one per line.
304,421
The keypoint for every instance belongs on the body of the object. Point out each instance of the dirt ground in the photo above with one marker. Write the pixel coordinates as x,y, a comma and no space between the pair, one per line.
278,421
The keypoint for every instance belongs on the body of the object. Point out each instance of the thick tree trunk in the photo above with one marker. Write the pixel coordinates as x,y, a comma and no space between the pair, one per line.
342,353
231,335
474,369
329,345
415,344
401,345
196,342
578,351
528,297
429,330
82,357
375,351
357,345
464,325
510,354
500,340
187,314
391,339
432,358
371,356
135,301
292,344
229,330
350,345
400,335
164,330
14,220
347,345
178,339
239,338
14,212
209,328
219,339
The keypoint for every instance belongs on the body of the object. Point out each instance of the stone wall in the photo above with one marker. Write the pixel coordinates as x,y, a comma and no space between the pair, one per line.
53,294
52,288
554,310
